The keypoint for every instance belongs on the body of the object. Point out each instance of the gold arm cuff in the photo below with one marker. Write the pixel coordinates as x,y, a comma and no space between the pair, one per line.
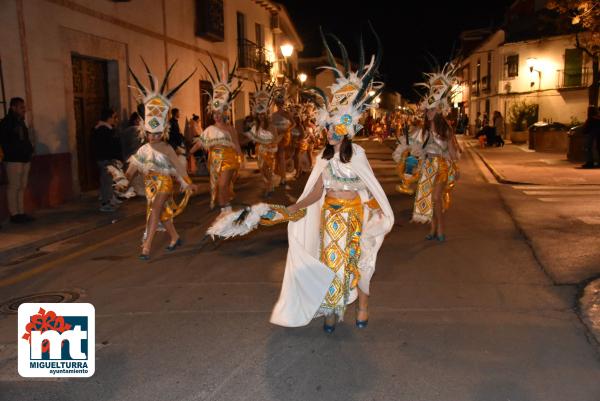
285,215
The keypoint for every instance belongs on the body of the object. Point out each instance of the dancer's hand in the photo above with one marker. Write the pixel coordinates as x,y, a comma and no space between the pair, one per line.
292,208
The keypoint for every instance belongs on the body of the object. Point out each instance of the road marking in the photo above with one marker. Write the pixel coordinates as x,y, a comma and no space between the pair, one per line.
591,220
558,187
570,192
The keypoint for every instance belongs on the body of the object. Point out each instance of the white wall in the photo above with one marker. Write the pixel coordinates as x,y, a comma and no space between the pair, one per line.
555,105
119,32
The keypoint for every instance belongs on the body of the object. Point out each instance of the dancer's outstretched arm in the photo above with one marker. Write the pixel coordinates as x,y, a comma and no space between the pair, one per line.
314,195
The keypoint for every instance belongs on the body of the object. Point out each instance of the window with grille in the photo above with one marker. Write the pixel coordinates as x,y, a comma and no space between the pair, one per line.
511,66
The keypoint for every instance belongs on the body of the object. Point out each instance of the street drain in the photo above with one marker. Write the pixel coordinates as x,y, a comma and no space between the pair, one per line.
12,306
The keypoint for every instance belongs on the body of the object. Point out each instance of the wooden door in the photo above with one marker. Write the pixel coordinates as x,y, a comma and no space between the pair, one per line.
90,92
205,117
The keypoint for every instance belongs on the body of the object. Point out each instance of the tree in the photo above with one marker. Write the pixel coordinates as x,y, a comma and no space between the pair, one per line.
584,16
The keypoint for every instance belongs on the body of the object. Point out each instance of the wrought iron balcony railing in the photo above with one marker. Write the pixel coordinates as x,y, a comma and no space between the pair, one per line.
254,57
574,78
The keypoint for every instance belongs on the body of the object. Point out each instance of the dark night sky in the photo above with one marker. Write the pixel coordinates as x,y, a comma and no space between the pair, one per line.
409,30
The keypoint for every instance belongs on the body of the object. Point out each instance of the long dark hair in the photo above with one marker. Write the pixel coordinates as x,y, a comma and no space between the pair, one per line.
345,150
441,126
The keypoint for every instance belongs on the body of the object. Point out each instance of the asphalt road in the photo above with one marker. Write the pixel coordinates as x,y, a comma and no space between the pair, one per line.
475,318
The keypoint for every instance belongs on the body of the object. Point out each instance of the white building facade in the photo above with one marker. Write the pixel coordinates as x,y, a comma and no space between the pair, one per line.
69,58
549,72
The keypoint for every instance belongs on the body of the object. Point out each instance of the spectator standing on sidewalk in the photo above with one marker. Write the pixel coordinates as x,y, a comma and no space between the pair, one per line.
478,124
485,121
106,147
18,150
499,123
591,130
130,139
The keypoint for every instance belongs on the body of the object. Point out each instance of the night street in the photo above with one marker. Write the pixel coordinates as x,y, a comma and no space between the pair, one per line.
479,317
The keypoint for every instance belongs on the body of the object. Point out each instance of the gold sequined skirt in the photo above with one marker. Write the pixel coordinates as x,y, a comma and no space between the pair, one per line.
155,184
341,229
222,158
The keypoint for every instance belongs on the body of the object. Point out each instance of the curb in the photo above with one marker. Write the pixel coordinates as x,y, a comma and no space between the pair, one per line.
589,307
499,177
29,248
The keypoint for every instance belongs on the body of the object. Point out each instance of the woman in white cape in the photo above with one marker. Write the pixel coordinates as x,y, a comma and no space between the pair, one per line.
333,250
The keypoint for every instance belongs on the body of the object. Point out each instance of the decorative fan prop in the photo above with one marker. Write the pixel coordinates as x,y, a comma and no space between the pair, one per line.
241,222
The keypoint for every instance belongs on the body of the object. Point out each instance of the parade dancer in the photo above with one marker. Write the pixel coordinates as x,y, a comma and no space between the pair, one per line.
440,151
264,135
406,157
332,250
283,121
221,140
159,163
304,144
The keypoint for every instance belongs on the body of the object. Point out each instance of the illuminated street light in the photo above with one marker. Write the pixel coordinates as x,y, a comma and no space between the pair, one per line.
302,77
533,65
287,50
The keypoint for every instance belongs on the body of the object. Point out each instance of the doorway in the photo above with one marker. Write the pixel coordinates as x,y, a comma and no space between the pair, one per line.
90,94
205,91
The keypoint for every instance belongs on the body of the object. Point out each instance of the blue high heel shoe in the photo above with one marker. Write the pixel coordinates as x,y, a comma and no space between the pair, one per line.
361,324
174,246
441,238
143,256
430,237
328,328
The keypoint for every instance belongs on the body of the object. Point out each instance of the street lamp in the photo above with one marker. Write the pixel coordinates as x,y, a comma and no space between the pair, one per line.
533,65
287,50
302,77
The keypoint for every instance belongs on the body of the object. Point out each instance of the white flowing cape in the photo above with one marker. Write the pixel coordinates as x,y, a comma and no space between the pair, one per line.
306,278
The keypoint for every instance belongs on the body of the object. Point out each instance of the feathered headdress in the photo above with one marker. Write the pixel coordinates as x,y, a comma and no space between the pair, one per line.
223,88
353,91
440,88
280,93
156,100
263,97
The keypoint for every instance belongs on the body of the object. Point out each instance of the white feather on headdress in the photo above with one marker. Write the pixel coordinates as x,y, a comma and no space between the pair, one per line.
352,93
441,88
224,89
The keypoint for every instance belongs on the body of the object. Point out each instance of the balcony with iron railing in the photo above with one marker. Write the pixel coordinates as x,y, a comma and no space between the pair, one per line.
574,78
254,57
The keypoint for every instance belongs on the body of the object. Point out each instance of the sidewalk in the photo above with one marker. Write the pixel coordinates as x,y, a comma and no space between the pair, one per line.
515,164
69,220
57,224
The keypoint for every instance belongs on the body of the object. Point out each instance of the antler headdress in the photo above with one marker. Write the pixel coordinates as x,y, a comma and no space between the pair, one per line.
263,97
156,100
223,88
353,91
440,88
